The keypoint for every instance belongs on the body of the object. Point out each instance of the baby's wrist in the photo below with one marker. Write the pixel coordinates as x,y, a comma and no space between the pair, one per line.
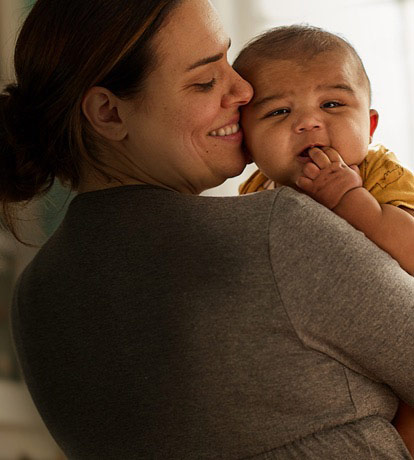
347,197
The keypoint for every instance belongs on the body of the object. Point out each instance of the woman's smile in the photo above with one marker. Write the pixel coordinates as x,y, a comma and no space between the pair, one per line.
226,130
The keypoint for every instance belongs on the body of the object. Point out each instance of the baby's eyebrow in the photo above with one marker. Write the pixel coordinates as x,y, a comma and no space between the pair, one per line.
342,86
272,97
277,96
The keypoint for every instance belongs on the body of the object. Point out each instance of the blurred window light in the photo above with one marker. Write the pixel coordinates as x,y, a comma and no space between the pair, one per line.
308,7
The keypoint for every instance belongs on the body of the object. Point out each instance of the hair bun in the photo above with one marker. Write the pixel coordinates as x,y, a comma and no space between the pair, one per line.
15,116
21,170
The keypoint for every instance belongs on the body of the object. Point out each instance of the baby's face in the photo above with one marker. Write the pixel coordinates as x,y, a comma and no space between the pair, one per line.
323,101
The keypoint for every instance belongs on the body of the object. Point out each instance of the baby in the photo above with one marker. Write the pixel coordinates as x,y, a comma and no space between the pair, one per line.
309,127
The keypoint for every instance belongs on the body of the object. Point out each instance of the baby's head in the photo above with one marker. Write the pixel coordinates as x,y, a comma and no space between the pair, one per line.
311,89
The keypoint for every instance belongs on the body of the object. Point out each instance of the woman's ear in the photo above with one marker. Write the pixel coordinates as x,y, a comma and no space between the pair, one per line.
373,121
100,107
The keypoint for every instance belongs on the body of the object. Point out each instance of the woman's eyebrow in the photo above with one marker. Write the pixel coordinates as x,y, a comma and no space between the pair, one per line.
207,60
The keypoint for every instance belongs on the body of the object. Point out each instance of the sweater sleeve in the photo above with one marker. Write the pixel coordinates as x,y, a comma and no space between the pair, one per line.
344,296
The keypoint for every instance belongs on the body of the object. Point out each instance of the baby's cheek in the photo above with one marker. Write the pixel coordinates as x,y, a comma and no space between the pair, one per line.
358,142
355,152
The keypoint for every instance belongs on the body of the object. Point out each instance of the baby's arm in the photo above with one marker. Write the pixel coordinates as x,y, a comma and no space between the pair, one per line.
330,181
339,187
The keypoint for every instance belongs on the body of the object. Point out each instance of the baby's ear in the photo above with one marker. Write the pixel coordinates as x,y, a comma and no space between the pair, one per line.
373,121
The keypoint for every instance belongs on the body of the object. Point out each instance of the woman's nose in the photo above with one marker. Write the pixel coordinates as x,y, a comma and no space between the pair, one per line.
240,92
307,121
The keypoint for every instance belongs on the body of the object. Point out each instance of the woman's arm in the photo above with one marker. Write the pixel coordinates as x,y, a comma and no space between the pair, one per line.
344,296
391,228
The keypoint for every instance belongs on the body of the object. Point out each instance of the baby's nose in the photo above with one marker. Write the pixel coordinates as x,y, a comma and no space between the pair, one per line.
307,122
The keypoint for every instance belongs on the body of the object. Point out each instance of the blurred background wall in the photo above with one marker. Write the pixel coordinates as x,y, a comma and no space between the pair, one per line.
382,33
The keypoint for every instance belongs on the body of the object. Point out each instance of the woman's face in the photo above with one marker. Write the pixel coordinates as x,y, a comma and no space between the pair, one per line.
183,131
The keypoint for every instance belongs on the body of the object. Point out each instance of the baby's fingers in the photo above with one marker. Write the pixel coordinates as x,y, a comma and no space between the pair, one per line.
319,157
305,184
355,168
311,171
332,154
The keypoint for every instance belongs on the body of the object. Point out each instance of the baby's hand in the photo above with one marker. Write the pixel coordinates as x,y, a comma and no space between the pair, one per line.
327,178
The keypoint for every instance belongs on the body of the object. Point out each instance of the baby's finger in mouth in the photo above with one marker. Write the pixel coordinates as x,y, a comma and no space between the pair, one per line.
319,157
332,154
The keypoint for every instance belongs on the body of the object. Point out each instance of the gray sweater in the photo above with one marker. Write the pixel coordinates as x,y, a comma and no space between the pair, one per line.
156,325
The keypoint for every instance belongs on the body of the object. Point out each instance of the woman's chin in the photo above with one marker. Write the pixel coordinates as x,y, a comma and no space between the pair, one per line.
236,171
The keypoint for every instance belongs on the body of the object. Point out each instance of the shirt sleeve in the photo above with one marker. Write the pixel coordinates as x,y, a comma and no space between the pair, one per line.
385,178
344,296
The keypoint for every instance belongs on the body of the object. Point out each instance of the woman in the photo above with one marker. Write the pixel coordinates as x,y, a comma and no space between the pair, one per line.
156,323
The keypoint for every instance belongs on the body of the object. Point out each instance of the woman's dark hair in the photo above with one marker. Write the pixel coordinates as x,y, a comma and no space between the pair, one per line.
64,48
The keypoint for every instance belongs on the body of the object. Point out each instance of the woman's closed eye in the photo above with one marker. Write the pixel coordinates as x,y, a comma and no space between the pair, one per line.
332,104
205,86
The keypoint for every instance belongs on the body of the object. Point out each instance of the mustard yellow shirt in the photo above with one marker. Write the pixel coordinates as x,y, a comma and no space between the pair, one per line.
382,176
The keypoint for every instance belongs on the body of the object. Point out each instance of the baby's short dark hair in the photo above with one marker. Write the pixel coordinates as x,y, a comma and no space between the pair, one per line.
293,42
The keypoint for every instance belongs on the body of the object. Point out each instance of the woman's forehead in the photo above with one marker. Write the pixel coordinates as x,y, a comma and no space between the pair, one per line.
192,33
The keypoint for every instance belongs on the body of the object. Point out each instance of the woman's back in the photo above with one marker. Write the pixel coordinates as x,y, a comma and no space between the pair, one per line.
160,325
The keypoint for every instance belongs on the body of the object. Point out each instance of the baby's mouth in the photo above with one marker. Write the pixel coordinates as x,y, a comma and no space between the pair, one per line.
305,152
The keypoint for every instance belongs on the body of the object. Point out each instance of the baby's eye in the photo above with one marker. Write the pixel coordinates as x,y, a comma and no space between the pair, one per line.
278,112
206,86
332,104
